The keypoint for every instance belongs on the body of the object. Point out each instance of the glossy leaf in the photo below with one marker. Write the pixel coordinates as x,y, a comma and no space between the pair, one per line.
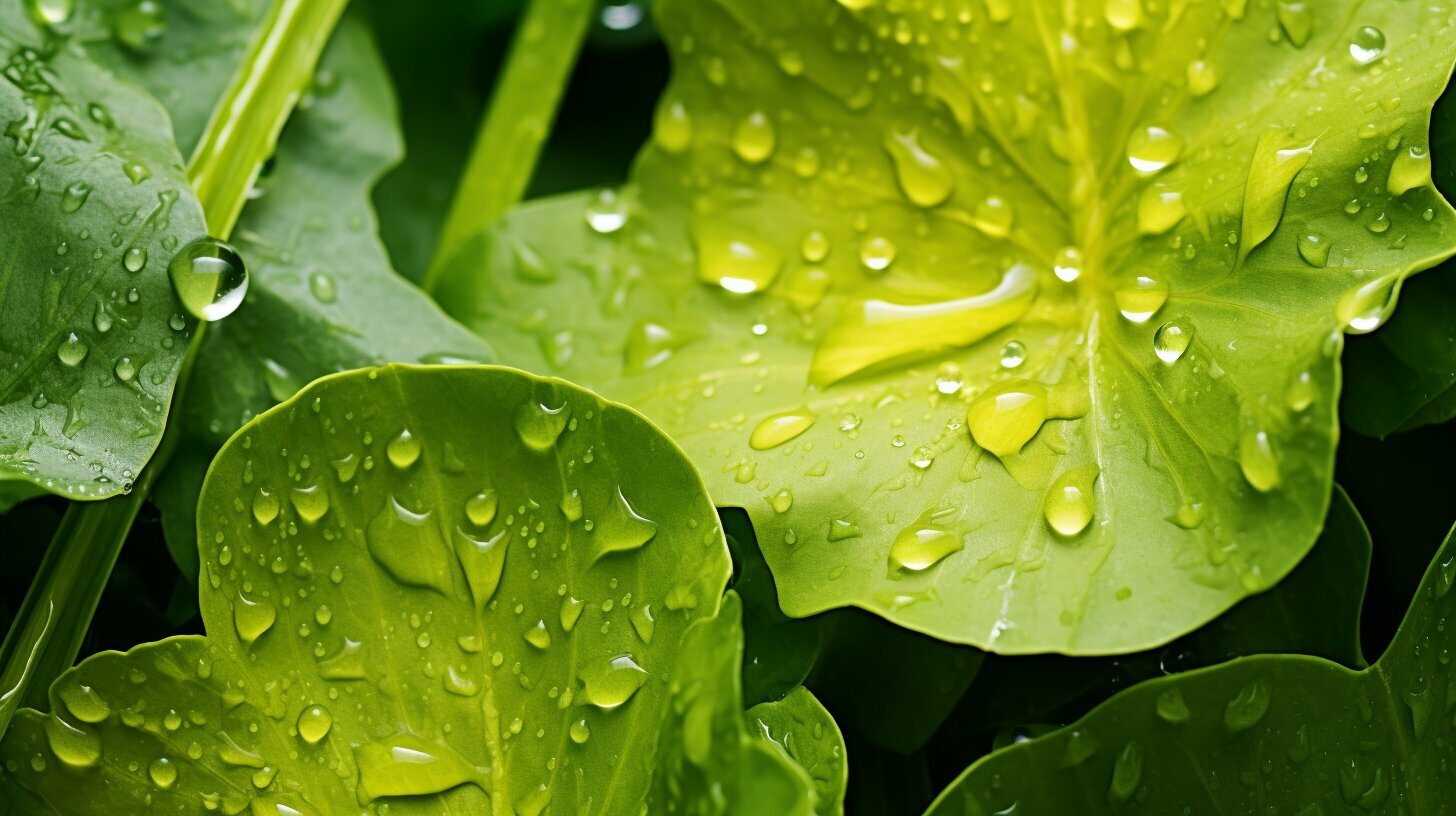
1276,733
453,585
1017,324
1315,610
801,727
95,200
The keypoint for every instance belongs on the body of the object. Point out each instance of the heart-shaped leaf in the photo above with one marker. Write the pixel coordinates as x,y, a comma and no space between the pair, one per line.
446,589
1267,734
94,201
1017,324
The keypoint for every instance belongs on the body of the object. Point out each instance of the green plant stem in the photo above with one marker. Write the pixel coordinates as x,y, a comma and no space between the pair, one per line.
52,622
543,53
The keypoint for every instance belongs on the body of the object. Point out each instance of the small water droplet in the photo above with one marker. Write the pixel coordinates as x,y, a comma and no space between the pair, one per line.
924,179
163,773
481,507
1257,459
606,213
1314,249
1013,354
1364,309
51,13
539,425
580,732
780,428
139,25
1153,148
72,350
1142,299
1202,78
754,138
1171,340
1367,45
403,450
877,253
1070,501
1411,169
314,723
1068,264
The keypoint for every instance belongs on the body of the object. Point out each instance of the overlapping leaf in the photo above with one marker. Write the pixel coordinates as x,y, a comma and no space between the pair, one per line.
1276,733
94,200
1017,324
437,589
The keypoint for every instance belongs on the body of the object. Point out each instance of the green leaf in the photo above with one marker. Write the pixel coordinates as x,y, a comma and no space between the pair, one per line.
1315,611
1278,733
449,584
835,282
1404,376
93,200
778,651
800,727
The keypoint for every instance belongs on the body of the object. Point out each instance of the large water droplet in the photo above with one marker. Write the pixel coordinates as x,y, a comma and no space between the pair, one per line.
1202,78
1257,459
1275,164
780,428
1364,309
140,24
621,528
73,746
314,723
1410,169
1159,209
611,683
923,544
408,546
1246,709
252,618
754,138
311,502
1070,501
673,127
539,425
265,506
1314,249
1127,774
481,507
84,703
403,450
1068,264
1171,340
606,213
1297,20
50,13
1153,148
1006,416
162,772
1367,45
72,350
406,765
483,561
738,264
925,180
1142,299
209,278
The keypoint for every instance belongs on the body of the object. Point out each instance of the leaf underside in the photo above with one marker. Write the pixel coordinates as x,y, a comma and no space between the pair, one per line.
838,280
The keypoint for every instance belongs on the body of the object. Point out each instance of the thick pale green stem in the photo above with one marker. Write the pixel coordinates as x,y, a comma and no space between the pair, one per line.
527,95
47,633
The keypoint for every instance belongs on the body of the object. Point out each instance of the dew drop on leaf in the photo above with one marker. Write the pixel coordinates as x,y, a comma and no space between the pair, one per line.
209,278
611,683
1070,501
1410,169
1006,416
922,545
754,138
408,765
1153,148
140,24
780,428
403,450
1257,459
1141,299
72,350
924,179
1367,45
1171,340
314,723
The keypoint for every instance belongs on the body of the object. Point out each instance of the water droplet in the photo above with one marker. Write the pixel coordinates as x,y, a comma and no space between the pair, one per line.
1153,148
1123,15
163,773
314,723
252,618
481,507
1297,21
611,683
571,609
606,213
643,622
780,428
877,253
754,138
1364,309
134,259
580,732
539,425
124,369
622,528
403,450
1367,45
994,217
72,350
209,278
84,703
1314,249
50,13
1410,169
1070,501
1257,459
140,24
673,127
74,196
1171,706
1190,515
265,506
311,502
1301,392
1006,416
1159,210
1248,708
407,765
537,635
1171,340
737,264
1202,78
925,180
1068,264
1141,300
922,545
408,546
1127,774
323,288
73,746
1013,354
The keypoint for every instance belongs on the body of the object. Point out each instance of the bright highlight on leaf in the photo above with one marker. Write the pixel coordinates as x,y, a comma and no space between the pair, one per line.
1063,285
380,637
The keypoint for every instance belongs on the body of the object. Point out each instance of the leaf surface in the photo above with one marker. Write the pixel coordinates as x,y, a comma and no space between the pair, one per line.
444,589
840,281
1276,733
93,202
